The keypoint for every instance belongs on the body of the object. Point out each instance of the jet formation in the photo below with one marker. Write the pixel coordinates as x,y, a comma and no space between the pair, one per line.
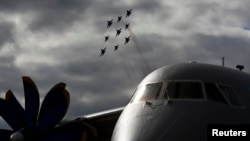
118,31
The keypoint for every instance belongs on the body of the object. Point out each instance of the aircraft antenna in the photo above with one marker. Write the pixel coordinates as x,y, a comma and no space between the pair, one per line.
240,67
223,61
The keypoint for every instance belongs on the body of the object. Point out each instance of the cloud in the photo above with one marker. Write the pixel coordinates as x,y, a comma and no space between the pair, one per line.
58,15
6,33
8,73
55,15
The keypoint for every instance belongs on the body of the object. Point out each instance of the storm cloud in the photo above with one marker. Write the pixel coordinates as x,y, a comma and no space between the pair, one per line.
6,33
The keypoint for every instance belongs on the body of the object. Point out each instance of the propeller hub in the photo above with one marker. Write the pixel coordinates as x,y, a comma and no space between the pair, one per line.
17,136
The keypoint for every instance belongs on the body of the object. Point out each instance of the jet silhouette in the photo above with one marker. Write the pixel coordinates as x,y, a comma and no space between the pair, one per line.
128,13
109,23
126,26
119,18
127,40
106,38
118,31
116,47
103,51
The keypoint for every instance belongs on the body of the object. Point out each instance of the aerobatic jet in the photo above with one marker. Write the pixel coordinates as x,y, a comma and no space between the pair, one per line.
127,39
119,18
106,38
129,12
118,32
109,23
116,47
103,51
126,26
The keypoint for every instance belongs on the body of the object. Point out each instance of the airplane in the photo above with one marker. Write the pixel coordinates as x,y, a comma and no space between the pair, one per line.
127,39
103,51
109,23
119,18
128,13
106,38
126,26
175,103
118,31
116,47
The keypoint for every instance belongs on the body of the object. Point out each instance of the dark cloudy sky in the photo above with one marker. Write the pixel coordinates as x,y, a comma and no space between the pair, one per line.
60,40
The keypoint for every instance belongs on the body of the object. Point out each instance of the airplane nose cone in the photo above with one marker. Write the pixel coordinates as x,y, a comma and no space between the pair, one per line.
144,123
144,128
159,124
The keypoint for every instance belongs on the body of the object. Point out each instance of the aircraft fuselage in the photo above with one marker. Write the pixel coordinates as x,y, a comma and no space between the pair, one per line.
178,102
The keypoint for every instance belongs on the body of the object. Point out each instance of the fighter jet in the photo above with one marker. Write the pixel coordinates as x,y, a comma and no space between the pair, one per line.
103,51
116,47
126,26
106,38
119,18
127,40
118,32
128,13
109,23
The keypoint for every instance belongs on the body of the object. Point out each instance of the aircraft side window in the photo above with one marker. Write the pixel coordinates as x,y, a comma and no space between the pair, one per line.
148,92
170,90
230,95
184,90
213,93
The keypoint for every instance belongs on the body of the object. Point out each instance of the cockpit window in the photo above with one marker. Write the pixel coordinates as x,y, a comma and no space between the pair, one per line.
230,95
184,90
213,93
147,92
187,90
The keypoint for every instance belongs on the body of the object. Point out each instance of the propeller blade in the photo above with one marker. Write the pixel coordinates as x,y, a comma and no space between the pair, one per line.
54,107
31,102
9,115
5,134
11,99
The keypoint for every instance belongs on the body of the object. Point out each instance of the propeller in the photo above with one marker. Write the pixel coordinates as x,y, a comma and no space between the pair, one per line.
41,125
